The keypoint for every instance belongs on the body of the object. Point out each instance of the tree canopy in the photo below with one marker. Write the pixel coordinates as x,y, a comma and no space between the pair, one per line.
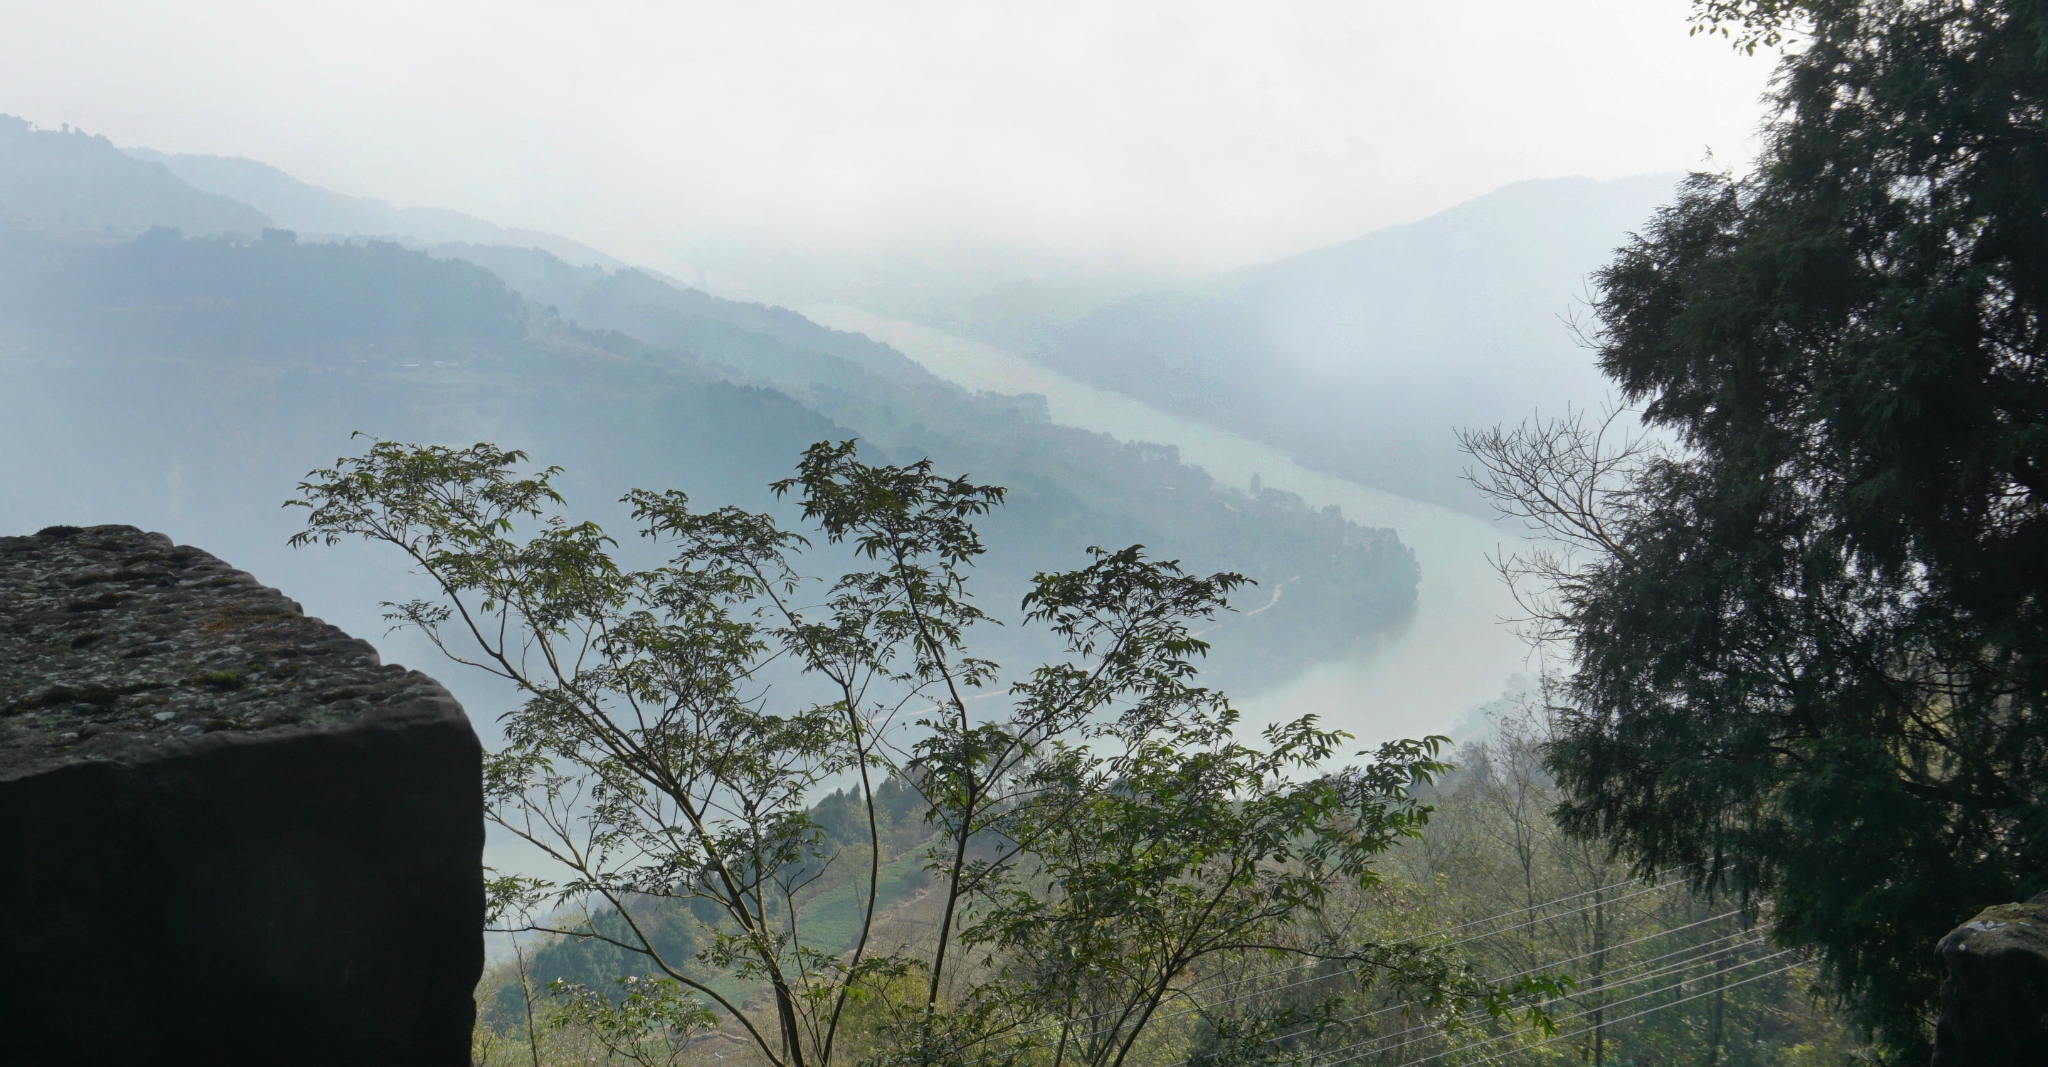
1810,638
1103,841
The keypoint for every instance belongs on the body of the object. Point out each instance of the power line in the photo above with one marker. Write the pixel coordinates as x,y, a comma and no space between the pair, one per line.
1660,885
1474,1014
1605,1023
1666,989
1646,1011
1559,963
1433,933
1548,903
1563,915
1675,968
1635,941
1699,953
1453,944
1696,951
1475,922
1403,941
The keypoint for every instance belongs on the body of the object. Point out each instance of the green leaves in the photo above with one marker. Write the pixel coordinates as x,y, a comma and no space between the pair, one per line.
1101,837
649,1023
453,511
1178,848
1749,23
892,513
917,525
1154,845
638,760
1808,643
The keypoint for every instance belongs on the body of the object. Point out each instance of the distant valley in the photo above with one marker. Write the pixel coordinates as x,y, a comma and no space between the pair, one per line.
1355,361
1361,358
214,368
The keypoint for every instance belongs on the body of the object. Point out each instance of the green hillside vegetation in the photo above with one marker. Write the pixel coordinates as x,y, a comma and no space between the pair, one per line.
1667,855
1102,833
895,402
1119,876
1803,644
831,904
231,297
1663,973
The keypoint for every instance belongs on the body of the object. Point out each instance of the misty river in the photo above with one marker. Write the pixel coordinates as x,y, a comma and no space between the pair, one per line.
1456,654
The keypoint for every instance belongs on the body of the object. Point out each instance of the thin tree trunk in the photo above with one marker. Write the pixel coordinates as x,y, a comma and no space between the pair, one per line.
1720,996
952,900
1714,1026
867,922
526,998
1599,978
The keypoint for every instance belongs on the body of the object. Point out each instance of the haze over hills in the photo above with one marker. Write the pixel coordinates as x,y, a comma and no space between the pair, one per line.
309,209
191,381
68,181
187,380
1358,358
1471,299
1361,358
1451,657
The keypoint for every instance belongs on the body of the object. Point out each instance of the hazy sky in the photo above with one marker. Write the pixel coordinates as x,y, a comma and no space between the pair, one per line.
1175,137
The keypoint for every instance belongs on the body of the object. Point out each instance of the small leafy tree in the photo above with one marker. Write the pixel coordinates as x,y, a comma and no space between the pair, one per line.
645,760
1143,848
652,762
1174,847
650,1023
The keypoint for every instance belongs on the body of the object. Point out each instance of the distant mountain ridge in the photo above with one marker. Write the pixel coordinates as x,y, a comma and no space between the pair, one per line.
309,209
205,374
1361,358
72,182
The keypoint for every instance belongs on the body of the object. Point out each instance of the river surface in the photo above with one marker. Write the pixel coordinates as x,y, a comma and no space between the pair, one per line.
1455,655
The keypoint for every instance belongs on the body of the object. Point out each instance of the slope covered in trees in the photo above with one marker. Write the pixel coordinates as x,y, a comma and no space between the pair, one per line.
1661,973
218,369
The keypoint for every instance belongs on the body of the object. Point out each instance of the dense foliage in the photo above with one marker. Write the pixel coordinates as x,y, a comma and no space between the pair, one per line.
1810,639
1661,974
1101,839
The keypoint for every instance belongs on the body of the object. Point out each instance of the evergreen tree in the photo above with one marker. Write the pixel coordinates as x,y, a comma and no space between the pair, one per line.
1811,639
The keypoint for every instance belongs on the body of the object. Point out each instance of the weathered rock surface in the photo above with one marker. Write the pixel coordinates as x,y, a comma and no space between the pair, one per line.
230,835
1994,1002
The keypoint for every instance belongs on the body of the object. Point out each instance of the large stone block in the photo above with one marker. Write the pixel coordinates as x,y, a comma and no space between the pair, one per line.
228,835
1994,1002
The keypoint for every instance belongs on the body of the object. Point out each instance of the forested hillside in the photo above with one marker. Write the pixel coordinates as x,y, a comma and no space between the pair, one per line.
1662,972
220,369
192,377
897,403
